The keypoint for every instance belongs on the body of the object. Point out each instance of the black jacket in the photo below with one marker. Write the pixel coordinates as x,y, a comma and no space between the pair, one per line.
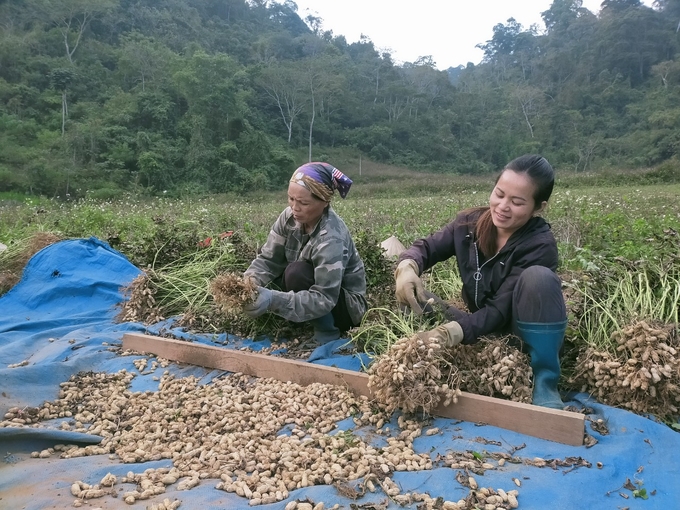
488,298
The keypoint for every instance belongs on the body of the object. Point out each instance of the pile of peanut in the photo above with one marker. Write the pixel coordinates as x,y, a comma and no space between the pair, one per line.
259,438
496,369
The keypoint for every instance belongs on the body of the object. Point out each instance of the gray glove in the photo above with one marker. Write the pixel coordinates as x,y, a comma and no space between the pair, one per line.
251,279
409,286
261,303
449,334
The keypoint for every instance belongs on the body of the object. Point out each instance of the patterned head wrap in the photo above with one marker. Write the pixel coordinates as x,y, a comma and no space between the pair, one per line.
322,180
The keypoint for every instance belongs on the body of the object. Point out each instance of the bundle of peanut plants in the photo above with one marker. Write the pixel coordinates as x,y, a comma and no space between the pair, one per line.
416,375
643,375
18,253
625,318
180,288
231,292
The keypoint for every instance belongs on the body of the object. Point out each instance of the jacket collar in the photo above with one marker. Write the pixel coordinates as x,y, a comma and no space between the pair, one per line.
535,225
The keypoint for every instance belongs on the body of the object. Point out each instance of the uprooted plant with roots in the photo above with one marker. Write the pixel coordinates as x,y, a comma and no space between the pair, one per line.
418,374
140,305
415,374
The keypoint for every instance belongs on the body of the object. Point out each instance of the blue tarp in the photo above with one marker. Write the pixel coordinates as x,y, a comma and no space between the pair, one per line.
59,320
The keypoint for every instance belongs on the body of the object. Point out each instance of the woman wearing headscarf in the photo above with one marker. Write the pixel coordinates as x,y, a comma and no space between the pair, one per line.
310,256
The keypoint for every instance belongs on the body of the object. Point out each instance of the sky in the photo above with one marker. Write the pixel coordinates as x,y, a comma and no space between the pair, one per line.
448,30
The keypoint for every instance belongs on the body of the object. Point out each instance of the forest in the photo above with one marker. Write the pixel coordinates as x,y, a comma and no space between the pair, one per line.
219,96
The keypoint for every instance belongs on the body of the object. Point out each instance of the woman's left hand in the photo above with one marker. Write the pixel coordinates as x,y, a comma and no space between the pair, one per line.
261,303
448,335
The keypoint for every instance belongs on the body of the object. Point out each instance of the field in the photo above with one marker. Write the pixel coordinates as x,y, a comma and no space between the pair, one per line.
617,234
604,214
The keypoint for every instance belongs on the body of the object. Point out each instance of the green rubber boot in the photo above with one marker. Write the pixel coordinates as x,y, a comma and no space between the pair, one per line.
544,340
324,329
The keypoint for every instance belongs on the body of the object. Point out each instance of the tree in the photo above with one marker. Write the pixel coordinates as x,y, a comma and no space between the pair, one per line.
287,89
426,83
72,18
568,50
145,61
668,71
613,7
670,9
279,46
561,14
324,82
631,56
284,15
211,86
60,80
511,48
503,41
529,101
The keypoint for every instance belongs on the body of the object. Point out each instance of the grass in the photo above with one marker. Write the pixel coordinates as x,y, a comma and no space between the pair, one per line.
587,219
615,292
598,227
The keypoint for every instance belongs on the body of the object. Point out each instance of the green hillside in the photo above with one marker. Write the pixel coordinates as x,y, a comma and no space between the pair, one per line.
177,97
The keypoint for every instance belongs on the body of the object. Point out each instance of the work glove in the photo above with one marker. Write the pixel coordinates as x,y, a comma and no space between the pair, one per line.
409,286
260,304
249,278
448,335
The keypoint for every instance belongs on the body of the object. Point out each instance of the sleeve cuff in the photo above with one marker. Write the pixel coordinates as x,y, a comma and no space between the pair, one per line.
455,331
406,263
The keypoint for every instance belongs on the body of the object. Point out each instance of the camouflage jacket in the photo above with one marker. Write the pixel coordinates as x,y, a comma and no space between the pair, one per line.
331,251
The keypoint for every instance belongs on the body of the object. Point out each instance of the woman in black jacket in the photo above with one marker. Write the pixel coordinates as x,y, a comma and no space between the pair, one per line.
507,257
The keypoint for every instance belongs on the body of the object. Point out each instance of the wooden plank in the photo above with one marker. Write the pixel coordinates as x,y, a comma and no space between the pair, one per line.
551,424
250,363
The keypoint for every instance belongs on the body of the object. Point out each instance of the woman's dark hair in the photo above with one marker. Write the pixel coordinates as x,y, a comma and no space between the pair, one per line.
539,171
541,174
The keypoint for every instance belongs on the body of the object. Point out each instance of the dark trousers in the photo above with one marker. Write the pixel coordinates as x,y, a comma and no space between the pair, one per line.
538,297
300,276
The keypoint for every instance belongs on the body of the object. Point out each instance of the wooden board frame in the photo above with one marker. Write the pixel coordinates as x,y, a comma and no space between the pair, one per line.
552,424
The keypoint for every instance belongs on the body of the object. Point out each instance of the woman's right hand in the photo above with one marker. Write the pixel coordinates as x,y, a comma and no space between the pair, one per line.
261,303
409,287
